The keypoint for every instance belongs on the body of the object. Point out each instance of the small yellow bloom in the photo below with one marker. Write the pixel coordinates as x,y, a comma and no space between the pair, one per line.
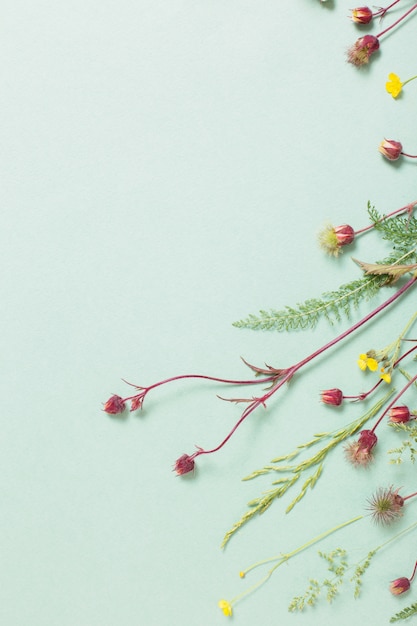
366,361
226,607
386,376
394,85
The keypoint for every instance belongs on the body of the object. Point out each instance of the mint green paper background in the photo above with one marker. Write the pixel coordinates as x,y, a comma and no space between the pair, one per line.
165,167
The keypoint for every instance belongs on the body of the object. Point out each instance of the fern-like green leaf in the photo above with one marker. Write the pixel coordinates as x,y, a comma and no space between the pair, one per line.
409,611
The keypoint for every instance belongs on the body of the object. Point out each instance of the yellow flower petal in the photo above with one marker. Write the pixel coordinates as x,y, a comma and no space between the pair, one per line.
372,364
394,85
385,376
362,364
226,607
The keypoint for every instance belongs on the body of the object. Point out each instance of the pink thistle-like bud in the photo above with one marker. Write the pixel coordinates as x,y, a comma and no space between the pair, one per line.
362,15
333,397
184,465
399,585
390,149
399,414
332,238
360,452
361,51
344,234
114,405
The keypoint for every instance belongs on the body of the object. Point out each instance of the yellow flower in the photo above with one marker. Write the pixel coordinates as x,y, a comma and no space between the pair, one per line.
366,361
394,85
386,376
226,607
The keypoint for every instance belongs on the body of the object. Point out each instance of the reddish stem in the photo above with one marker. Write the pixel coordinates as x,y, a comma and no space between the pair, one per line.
397,21
415,568
292,370
391,404
363,396
408,208
146,390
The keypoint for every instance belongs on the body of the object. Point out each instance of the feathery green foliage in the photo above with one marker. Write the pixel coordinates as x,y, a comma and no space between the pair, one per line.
332,305
400,230
338,566
409,611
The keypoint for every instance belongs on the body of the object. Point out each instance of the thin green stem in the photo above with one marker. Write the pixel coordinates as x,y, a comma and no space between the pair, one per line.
283,558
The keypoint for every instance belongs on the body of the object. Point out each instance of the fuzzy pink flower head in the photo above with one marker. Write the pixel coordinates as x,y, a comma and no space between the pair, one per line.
360,452
184,465
399,414
390,149
361,51
332,238
362,15
399,586
114,405
334,397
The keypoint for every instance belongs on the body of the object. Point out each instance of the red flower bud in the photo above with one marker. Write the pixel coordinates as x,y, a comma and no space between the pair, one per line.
332,396
184,464
399,414
390,149
344,234
399,585
362,15
114,405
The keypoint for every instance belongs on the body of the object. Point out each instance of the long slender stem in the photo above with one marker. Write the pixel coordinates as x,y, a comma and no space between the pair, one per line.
397,21
283,558
408,208
391,404
292,370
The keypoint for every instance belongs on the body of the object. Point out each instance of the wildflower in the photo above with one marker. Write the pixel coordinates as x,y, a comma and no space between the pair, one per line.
385,375
114,405
403,584
332,396
390,149
368,360
399,585
360,452
362,15
399,414
184,464
333,238
361,51
226,607
394,85
386,506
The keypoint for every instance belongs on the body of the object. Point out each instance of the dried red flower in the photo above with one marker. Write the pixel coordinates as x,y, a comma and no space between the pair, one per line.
361,51
114,405
362,15
333,397
360,452
399,585
399,414
184,464
390,149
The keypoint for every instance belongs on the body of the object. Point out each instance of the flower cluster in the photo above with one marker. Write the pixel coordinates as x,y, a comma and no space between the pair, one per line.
360,52
358,439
